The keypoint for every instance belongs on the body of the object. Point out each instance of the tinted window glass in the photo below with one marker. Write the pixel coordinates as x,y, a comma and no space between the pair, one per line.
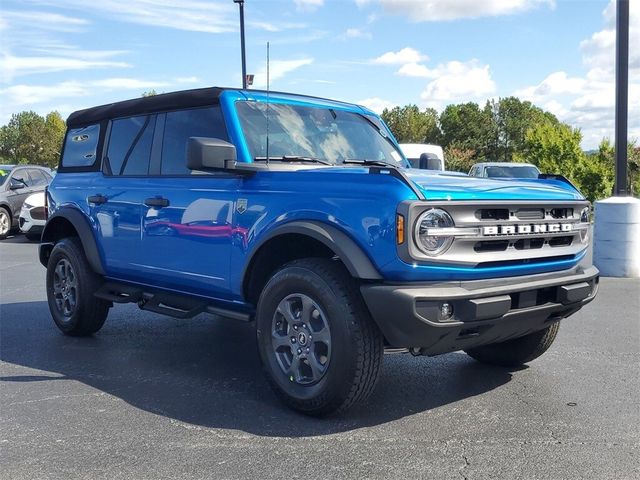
179,126
5,170
129,148
80,146
38,177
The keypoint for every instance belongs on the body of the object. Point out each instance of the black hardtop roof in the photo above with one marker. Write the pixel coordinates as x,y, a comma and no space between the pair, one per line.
198,97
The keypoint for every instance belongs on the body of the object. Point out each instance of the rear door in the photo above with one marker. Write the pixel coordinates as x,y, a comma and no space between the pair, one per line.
187,217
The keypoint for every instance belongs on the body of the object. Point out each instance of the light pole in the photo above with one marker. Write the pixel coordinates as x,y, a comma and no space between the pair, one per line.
244,63
622,95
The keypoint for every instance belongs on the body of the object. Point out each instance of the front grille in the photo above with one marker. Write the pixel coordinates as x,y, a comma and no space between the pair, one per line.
490,234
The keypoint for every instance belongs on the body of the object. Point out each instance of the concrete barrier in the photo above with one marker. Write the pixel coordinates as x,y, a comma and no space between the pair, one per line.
616,250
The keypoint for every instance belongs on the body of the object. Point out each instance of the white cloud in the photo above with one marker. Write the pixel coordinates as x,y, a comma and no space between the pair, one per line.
588,101
558,83
192,15
376,104
401,57
439,10
458,82
277,70
308,5
357,33
44,98
41,20
415,70
12,66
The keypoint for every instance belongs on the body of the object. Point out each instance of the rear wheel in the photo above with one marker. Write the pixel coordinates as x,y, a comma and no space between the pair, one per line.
518,351
318,345
70,287
5,223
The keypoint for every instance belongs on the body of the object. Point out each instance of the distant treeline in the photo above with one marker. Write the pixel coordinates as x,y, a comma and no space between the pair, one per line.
512,130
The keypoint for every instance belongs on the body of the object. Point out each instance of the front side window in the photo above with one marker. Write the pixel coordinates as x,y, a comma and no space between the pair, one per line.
21,178
129,149
80,146
322,133
182,124
5,171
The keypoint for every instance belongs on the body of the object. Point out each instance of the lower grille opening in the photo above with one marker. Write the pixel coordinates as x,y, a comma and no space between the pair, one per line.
561,241
491,246
528,243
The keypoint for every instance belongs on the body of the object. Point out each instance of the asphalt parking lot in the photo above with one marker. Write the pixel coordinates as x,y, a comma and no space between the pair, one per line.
154,397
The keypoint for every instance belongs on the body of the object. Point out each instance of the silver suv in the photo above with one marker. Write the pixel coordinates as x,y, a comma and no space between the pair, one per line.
17,182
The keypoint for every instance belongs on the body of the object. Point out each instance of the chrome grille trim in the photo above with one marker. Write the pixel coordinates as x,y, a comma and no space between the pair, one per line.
468,231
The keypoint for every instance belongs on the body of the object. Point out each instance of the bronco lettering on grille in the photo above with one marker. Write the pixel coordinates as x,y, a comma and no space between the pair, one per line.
527,229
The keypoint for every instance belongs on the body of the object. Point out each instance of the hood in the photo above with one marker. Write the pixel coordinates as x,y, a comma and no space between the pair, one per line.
455,186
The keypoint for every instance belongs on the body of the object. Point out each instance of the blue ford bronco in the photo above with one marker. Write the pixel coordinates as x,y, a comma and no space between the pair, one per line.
302,215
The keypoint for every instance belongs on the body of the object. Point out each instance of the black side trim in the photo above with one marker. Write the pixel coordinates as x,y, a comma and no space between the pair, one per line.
350,253
85,233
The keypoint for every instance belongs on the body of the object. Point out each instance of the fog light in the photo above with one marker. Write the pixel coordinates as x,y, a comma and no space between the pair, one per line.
446,311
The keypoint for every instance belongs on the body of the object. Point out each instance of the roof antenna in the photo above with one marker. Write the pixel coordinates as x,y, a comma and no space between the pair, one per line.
267,103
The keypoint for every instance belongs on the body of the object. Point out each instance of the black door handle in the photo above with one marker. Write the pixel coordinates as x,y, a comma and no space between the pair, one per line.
156,202
98,199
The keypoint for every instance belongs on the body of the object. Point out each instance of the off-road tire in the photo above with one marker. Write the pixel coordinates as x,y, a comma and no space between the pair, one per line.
518,351
356,342
5,227
89,313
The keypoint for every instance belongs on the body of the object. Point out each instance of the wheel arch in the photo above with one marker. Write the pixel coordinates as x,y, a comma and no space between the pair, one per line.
70,222
298,240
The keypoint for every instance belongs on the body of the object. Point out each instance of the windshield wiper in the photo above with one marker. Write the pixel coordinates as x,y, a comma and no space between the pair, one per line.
292,158
367,163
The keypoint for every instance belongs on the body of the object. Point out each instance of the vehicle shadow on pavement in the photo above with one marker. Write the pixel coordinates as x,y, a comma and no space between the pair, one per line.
206,372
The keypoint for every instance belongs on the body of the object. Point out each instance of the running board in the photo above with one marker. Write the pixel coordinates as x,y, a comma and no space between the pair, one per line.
171,304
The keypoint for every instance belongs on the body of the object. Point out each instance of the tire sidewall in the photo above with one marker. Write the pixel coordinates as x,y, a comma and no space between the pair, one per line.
66,249
341,371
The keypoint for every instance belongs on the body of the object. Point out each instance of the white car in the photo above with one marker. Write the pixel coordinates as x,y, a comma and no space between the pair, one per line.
415,151
32,216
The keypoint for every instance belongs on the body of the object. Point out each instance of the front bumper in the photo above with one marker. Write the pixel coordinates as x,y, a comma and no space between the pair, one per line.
484,311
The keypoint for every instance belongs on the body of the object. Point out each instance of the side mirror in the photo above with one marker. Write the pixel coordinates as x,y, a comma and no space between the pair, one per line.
210,154
16,184
429,161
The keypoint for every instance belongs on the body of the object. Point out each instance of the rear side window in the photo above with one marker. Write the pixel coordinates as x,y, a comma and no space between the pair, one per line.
129,149
179,126
38,177
80,146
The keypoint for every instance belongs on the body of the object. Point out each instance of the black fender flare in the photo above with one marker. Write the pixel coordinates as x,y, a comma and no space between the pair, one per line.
355,260
81,225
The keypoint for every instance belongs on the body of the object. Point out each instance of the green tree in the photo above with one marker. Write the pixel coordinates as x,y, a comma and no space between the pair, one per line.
459,158
466,127
149,93
410,125
511,119
553,148
31,138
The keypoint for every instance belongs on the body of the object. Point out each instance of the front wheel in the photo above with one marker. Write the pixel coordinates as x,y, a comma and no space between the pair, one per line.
518,351
70,287
318,345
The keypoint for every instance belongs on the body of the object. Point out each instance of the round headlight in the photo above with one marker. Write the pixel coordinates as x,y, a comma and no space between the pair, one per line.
428,239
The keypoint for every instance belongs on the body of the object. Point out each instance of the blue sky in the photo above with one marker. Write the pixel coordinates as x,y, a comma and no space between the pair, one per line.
71,54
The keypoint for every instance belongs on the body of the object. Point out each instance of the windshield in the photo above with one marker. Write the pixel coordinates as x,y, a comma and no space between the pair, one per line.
524,171
4,173
325,134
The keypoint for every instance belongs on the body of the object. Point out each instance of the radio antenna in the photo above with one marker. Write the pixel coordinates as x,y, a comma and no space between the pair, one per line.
267,103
